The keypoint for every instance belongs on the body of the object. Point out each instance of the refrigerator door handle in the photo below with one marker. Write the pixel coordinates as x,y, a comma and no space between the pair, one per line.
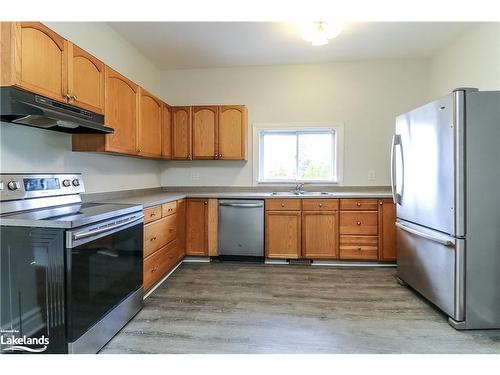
428,236
396,140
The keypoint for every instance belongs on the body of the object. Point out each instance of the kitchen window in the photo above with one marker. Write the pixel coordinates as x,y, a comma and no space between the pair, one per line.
294,155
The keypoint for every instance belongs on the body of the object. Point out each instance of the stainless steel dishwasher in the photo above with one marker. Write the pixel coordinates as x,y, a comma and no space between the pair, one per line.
241,229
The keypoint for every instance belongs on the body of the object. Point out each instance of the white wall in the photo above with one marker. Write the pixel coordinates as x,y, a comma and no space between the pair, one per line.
366,96
24,149
472,60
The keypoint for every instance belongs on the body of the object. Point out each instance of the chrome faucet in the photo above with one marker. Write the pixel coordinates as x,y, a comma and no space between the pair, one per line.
298,188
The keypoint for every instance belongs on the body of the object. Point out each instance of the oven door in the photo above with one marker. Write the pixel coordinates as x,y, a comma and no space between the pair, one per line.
103,266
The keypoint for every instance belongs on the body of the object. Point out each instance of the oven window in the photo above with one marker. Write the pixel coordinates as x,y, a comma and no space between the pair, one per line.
101,273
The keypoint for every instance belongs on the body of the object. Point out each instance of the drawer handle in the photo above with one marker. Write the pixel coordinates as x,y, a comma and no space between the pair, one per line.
358,222
358,204
153,214
153,239
170,209
282,205
321,204
154,269
359,249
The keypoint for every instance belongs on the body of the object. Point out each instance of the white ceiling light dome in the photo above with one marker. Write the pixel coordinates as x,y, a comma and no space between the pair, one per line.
319,32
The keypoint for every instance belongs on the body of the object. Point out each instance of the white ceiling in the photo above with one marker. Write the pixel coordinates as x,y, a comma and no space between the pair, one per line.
185,45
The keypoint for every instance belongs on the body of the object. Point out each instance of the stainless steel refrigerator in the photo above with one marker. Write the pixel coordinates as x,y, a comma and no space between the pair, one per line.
445,169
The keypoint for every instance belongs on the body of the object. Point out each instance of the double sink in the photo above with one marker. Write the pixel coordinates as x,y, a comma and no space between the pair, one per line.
301,193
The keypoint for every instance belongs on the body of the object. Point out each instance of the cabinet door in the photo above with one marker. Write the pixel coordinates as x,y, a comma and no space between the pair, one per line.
41,60
205,123
181,226
166,135
197,227
232,132
319,234
150,125
181,133
387,230
85,80
282,232
122,102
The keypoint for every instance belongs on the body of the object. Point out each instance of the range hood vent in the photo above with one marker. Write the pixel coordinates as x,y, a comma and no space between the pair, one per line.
24,108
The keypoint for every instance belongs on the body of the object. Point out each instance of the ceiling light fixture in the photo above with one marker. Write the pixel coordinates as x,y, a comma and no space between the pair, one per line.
319,32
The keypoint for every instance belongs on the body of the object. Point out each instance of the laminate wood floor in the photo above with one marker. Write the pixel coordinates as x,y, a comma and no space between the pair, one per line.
256,308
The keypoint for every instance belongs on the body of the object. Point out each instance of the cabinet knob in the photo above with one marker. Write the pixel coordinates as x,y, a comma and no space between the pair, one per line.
358,204
152,214
68,96
153,239
359,249
358,222
205,203
321,204
282,205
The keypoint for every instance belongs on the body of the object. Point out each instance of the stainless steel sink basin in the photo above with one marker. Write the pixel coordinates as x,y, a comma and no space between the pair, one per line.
286,193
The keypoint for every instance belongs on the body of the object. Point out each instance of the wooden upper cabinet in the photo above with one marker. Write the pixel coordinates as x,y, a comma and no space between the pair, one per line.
34,58
387,230
122,112
233,132
86,77
197,227
319,234
283,234
205,129
166,135
181,133
150,125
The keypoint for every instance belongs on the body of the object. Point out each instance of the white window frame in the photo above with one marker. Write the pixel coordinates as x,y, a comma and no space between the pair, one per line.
338,129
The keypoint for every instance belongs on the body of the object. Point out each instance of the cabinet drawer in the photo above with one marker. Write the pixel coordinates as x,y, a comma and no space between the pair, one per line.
320,204
169,208
152,214
159,233
283,204
359,247
359,204
159,263
358,222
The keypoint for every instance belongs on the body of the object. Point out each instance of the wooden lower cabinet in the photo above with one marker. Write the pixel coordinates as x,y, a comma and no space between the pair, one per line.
329,228
181,226
319,234
283,234
359,247
164,240
201,227
159,263
387,230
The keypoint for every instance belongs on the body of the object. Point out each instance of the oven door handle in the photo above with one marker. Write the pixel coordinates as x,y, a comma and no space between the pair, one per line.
94,232
80,237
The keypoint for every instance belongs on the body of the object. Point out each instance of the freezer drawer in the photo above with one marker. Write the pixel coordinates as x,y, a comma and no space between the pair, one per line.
432,264
241,227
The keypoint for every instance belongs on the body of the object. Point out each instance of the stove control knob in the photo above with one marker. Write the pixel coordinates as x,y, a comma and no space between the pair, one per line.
66,183
76,182
13,185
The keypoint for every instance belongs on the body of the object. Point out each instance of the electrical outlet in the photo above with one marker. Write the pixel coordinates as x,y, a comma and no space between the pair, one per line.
371,176
195,176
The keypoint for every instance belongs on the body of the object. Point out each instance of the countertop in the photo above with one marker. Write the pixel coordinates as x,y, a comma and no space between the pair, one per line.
153,199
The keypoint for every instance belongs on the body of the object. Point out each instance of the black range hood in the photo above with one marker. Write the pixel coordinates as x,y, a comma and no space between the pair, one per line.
25,108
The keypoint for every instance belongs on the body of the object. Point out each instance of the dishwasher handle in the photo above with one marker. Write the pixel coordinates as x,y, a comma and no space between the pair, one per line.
243,205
